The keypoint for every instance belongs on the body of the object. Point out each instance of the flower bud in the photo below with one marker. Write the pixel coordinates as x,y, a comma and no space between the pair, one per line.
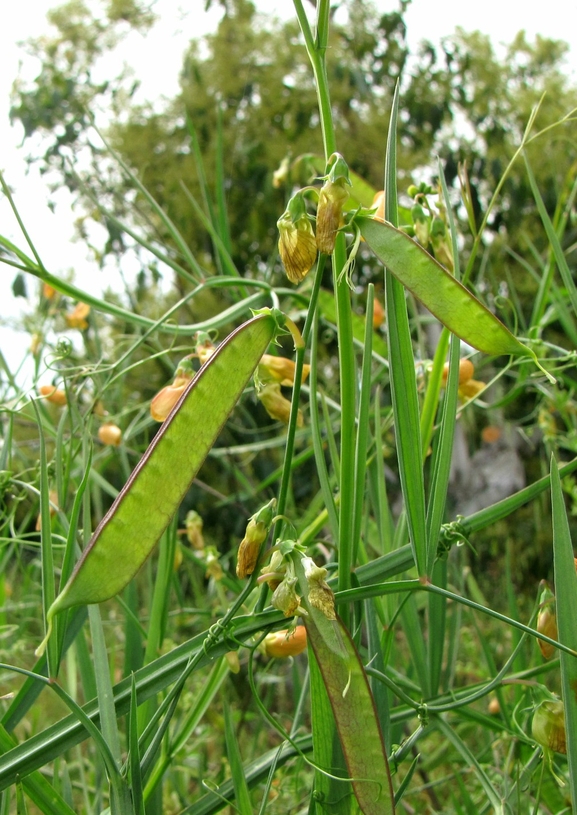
276,405
412,191
77,317
165,400
193,524
204,348
548,726
279,369
286,643
297,246
48,291
110,434
378,314
547,621
280,175
53,394
255,535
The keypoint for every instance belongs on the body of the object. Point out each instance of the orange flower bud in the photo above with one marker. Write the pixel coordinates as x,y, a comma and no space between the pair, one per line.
471,388
279,369
110,434
548,726
77,317
166,399
286,643
53,394
466,371
48,291
378,314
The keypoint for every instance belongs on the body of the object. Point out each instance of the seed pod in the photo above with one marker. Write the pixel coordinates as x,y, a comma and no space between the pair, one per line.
548,726
286,643
141,512
440,292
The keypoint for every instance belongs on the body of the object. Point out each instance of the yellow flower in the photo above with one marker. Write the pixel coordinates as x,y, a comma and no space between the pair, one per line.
110,434
279,369
77,317
286,643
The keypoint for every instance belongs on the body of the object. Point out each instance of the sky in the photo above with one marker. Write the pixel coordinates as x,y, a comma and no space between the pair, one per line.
179,22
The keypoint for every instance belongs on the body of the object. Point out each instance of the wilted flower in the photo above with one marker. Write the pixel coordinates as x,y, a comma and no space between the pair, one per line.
53,394
204,347
286,643
255,535
297,246
285,597
276,405
280,175
193,524
320,594
77,317
213,567
110,434
279,369
273,574
332,198
548,726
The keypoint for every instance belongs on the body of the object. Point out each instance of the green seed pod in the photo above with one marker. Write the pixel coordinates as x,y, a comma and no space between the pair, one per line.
143,509
440,292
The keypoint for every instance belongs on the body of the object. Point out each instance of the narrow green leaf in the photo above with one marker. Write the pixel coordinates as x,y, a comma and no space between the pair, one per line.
241,794
566,601
141,512
356,721
402,376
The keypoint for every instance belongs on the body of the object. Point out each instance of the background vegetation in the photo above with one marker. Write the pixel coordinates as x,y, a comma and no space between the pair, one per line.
193,193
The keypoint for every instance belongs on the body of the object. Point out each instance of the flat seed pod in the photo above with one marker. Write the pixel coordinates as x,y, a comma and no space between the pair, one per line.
128,532
439,291
356,721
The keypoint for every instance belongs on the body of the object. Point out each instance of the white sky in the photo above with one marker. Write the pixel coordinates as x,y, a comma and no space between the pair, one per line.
156,60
